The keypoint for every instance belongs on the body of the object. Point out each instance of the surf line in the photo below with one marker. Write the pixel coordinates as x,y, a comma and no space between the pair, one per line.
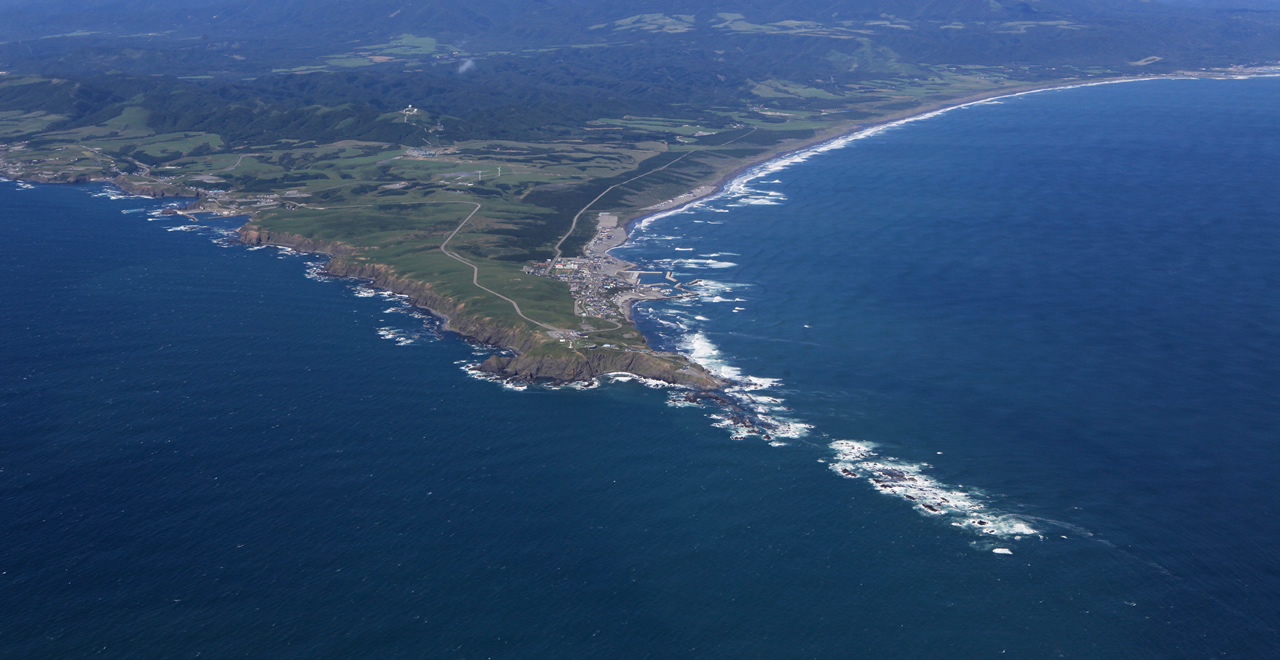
747,410
751,412
737,183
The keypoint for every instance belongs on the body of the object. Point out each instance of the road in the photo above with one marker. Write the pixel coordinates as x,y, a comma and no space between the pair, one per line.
475,272
574,225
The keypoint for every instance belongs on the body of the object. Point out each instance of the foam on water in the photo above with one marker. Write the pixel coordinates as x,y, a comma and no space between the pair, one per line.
751,406
315,269
908,481
739,192
750,411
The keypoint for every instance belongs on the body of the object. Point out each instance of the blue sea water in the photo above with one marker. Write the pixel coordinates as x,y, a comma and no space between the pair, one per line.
1063,303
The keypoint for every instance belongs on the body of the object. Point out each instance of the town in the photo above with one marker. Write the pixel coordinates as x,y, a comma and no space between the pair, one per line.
604,286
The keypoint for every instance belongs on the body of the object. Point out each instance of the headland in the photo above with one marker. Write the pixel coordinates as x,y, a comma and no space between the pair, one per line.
434,225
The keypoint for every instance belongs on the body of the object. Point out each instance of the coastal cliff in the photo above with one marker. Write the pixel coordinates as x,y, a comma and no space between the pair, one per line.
588,364
538,357
252,235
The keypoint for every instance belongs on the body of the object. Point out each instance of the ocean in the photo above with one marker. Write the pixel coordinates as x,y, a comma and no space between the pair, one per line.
1050,319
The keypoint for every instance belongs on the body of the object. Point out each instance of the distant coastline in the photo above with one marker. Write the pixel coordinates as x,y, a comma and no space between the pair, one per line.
839,136
527,366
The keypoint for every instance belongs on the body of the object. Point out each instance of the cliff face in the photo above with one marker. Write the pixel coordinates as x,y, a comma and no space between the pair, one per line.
589,364
538,357
422,295
250,235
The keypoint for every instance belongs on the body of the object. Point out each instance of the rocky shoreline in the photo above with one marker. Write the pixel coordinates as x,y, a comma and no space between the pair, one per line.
537,357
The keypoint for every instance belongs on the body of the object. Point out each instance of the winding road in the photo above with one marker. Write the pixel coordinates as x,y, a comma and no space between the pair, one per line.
475,271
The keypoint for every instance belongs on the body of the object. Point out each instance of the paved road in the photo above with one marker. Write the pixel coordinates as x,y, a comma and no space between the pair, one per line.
475,272
574,225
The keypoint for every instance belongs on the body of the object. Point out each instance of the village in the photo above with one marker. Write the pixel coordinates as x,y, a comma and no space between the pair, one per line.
604,286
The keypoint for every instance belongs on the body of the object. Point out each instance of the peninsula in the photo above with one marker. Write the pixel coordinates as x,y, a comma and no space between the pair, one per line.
489,183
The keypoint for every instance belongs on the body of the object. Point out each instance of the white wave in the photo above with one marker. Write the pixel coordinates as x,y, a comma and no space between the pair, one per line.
758,410
624,377
762,414
704,263
115,193
675,264
472,369
908,481
315,271
747,196
739,190
716,287
670,323
364,292
697,347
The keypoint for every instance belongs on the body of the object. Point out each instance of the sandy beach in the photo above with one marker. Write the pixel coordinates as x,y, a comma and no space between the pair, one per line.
841,134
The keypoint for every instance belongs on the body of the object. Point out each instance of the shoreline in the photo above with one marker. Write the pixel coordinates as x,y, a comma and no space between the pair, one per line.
529,368
828,140
841,137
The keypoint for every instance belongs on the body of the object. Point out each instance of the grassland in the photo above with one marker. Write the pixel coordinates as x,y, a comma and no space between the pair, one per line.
502,205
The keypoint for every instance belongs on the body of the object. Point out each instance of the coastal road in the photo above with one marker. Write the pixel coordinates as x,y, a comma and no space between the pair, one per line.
475,271
574,225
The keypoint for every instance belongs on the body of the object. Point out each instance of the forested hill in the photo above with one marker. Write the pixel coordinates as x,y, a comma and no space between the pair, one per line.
247,37
539,69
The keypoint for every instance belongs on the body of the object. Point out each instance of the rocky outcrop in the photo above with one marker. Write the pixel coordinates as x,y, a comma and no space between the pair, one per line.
421,294
591,363
251,235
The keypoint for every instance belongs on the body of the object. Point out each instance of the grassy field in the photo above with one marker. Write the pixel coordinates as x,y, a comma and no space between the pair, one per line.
398,204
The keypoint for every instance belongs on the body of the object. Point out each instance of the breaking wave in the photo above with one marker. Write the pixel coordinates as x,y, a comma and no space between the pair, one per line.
753,406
